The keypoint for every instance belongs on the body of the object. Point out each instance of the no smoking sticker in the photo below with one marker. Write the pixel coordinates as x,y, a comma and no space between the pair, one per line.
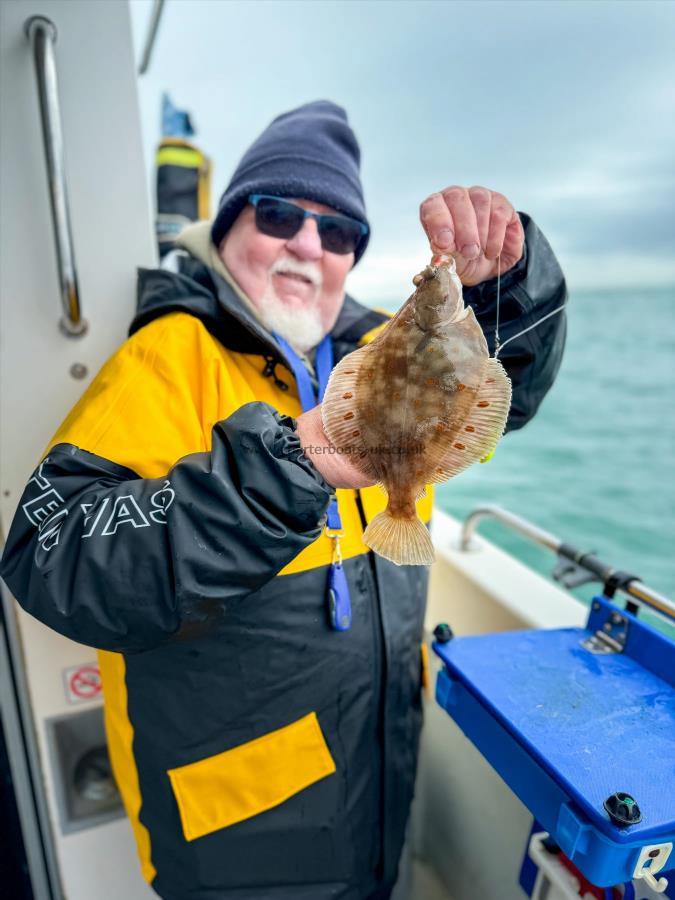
82,683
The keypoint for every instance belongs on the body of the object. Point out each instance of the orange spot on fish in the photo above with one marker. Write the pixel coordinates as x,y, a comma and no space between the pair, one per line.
348,416
483,403
469,428
489,381
349,372
430,349
460,386
347,396
440,427
396,395
355,433
431,382
459,446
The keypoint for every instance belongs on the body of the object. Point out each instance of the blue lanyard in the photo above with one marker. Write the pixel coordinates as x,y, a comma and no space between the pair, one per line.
338,600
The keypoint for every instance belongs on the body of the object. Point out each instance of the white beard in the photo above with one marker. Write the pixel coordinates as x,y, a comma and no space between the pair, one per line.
303,329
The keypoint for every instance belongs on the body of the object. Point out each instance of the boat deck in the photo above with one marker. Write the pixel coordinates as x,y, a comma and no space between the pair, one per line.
425,884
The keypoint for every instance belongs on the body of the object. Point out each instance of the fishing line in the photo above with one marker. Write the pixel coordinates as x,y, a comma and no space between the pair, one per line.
499,346
499,285
534,325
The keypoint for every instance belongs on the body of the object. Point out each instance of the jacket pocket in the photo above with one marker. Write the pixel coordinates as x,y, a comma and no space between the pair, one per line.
247,780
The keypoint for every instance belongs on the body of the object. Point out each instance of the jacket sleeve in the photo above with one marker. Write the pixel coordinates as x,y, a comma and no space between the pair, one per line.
530,291
123,562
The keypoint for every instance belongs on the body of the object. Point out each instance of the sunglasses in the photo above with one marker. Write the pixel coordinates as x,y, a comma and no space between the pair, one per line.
282,219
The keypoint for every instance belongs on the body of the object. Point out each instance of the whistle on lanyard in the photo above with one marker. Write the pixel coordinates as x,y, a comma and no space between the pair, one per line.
339,603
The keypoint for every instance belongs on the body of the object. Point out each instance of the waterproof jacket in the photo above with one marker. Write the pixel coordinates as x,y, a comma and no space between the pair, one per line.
176,524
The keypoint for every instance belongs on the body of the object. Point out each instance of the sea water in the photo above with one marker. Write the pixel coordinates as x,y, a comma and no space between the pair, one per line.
596,465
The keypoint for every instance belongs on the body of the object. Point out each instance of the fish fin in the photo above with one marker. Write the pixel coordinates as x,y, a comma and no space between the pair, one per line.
421,494
486,423
339,411
406,542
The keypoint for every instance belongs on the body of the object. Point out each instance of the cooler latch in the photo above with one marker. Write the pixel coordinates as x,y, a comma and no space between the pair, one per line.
612,634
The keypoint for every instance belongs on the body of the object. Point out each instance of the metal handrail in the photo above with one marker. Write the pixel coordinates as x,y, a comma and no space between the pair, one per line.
41,32
151,36
594,567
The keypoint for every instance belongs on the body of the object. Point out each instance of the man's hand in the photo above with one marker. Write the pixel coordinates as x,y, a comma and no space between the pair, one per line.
476,226
336,468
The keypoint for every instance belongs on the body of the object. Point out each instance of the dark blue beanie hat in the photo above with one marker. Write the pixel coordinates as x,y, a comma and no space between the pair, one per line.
310,153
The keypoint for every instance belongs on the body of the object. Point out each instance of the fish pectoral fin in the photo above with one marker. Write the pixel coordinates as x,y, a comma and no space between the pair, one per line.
481,432
340,413
421,494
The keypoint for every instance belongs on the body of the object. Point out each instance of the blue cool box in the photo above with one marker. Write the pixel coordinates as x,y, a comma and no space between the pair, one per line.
566,728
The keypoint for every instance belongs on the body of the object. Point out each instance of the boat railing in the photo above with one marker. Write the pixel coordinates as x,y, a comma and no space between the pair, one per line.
41,33
151,36
575,567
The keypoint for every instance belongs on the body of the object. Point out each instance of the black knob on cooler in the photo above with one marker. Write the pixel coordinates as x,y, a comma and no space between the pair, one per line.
443,633
622,809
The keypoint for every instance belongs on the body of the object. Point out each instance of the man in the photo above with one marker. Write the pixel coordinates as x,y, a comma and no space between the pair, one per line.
264,747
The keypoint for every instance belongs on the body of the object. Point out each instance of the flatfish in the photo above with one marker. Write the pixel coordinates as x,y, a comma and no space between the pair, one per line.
417,405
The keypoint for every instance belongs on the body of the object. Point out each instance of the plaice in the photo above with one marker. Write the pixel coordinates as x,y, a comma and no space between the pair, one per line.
418,405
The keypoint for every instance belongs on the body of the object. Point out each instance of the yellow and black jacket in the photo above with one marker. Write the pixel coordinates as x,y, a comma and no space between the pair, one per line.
175,524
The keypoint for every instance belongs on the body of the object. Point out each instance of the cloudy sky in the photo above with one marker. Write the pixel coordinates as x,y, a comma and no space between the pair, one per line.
566,107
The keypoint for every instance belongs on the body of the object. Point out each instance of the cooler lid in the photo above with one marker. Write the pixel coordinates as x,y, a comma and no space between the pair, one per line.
598,724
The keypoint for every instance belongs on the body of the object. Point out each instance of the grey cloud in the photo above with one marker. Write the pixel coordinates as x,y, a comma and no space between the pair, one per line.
528,98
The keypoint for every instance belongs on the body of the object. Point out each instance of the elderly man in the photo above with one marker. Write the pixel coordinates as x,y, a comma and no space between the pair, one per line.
261,668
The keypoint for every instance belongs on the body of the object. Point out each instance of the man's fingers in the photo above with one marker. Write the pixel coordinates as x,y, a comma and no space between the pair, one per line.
467,239
513,241
437,222
501,214
481,198
470,222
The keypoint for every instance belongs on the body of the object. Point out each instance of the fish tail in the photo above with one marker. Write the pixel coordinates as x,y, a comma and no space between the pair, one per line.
405,542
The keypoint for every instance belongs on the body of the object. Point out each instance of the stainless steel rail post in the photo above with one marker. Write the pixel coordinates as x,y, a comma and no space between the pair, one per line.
603,573
41,33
